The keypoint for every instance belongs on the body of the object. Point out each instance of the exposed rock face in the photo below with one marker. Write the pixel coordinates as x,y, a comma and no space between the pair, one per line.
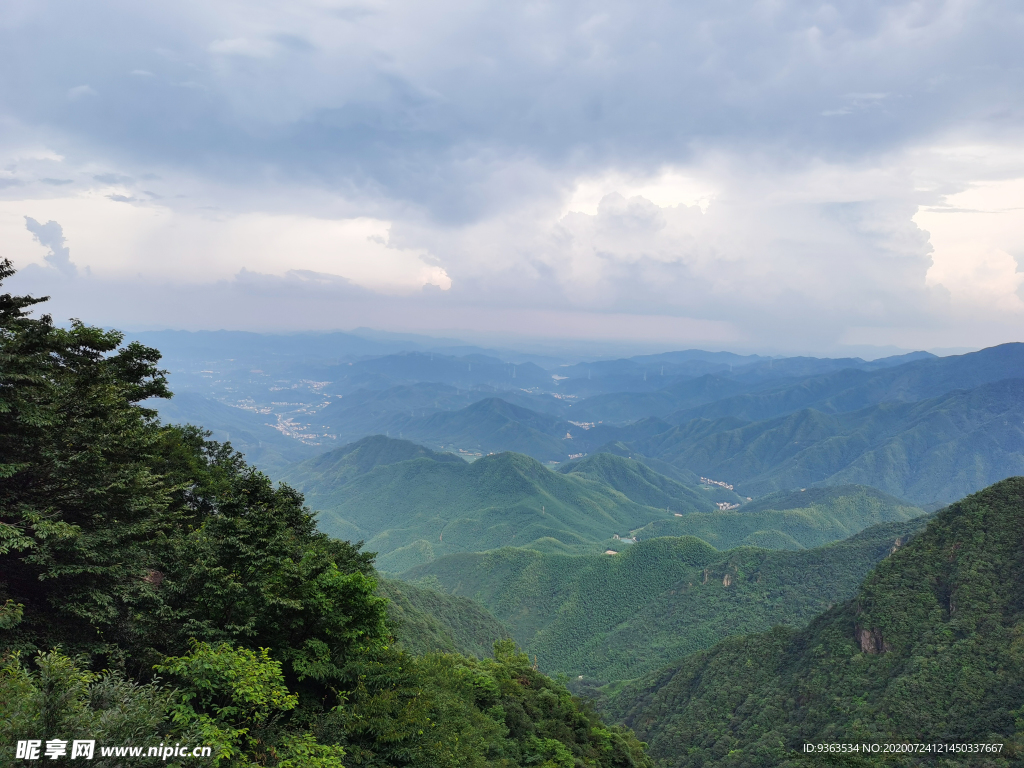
871,640
866,640
727,580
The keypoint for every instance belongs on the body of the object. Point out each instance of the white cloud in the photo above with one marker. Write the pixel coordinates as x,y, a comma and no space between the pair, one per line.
240,46
975,234
669,188
80,92
154,242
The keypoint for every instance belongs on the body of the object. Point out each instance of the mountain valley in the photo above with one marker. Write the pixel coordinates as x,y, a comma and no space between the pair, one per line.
667,531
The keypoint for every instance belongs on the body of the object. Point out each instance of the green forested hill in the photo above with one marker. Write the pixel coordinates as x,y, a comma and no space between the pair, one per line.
329,471
614,617
789,520
638,482
414,511
935,450
928,650
493,425
427,621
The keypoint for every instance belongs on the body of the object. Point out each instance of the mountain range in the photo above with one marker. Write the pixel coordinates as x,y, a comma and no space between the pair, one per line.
411,504
415,510
729,494
934,450
613,617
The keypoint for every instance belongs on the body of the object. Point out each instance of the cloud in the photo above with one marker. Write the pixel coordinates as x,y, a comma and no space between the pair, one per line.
798,256
790,171
80,92
149,240
978,236
403,102
242,47
112,178
50,235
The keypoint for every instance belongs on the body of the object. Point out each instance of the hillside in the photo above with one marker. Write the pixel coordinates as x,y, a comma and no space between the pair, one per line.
427,621
413,511
329,471
637,482
790,520
928,650
614,617
400,409
488,424
688,393
493,425
935,450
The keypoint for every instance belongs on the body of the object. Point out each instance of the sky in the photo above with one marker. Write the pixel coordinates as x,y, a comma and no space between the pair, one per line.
784,176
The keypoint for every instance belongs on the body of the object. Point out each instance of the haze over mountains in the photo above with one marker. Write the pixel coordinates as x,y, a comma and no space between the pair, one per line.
919,427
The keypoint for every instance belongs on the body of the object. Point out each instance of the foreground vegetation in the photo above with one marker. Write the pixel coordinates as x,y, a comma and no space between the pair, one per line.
155,588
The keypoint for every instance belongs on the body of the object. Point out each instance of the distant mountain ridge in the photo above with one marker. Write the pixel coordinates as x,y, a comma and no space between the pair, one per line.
928,430
932,450
853,389
344,464
487,425
631,406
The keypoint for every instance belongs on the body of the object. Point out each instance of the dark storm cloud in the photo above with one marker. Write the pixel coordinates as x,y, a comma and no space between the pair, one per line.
426,103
